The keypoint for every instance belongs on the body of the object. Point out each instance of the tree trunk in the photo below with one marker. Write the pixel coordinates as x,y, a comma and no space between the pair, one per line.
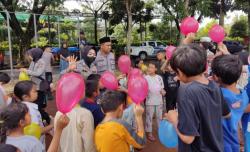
49,30
128,7
24,37
145,30
95,15
186,4
106,29
140,31
222,14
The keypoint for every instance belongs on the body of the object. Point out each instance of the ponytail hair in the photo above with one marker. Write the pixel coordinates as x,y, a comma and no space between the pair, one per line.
22,88
10,117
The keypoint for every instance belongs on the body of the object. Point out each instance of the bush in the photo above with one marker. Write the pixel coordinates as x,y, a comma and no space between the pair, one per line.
42,41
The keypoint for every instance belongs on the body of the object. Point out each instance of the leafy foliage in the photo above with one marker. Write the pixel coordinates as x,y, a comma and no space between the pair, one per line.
239,29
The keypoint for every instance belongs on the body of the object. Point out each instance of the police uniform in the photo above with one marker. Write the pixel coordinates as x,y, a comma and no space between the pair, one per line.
105,62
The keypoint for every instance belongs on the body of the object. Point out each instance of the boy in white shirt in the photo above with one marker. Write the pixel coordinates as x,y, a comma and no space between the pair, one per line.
154,101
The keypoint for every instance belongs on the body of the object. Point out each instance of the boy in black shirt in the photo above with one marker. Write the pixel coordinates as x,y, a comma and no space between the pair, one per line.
171,85
200,103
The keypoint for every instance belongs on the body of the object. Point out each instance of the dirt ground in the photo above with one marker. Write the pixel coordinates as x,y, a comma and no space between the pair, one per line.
150,146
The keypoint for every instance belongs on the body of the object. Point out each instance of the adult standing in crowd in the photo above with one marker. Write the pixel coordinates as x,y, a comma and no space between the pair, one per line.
37,73
105,59
86,65
64,54
83,40
48,59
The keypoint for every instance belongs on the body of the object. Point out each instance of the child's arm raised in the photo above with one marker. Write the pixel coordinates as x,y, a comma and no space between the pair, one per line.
189,38
138,110
136,139
62,122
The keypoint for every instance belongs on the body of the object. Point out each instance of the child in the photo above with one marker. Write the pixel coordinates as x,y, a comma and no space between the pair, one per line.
200,103
26,92
78,136
13,119
161,60
154,101
97,77
37,73
139,63
171,86
114,134
227,70
4,99
89,102
245,121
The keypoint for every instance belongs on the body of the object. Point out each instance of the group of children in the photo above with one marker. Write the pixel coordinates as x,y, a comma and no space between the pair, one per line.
207,112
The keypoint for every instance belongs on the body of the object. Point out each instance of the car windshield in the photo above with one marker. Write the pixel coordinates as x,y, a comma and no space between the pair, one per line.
151,44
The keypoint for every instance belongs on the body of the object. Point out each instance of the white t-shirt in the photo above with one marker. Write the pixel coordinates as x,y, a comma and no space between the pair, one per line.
36,117
26,143
155,85
78,135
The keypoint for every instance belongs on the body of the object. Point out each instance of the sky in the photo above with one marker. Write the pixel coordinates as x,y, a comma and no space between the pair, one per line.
72,4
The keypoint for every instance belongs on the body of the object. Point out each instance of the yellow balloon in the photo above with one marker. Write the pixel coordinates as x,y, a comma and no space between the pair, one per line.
23,76
33,130
144,68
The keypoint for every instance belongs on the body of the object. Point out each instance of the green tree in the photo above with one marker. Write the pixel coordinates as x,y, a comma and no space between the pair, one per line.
203,32
94,7
126,11
244,5
176,10
239,29
162,31
35,6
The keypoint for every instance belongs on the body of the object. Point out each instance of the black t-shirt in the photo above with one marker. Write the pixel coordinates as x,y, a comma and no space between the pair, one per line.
171,87
170,84
200,109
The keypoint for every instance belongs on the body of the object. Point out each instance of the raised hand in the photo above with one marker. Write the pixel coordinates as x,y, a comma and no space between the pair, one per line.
72,63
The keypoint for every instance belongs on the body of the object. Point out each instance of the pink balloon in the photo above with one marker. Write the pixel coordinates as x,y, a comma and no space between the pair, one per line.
70,89
217,33
169,51
138,89
189,25
109,80
124,64
134,72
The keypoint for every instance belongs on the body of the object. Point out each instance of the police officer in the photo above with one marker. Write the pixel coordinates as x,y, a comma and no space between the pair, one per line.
105,60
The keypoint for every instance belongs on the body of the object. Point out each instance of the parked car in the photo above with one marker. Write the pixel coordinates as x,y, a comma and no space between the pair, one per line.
147,49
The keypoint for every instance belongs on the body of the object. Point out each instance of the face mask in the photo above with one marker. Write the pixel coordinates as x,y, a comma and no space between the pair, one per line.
89,60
